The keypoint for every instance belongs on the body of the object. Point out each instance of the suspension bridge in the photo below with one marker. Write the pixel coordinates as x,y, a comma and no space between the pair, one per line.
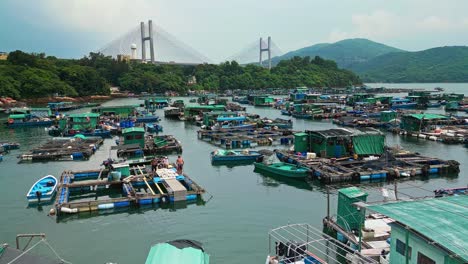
151,43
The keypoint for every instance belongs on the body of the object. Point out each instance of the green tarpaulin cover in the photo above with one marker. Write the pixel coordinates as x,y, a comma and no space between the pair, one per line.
168,254
369,144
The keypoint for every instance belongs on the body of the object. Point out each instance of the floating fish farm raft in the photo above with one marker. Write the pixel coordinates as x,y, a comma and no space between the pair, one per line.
241,138
122,186
394,163
64,149
448,135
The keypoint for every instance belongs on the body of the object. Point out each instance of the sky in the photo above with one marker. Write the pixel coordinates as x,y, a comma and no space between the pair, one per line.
221,28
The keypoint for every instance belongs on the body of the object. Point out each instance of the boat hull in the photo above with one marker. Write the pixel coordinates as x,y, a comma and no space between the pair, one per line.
46,185
252,156
404,106
30,124
282,169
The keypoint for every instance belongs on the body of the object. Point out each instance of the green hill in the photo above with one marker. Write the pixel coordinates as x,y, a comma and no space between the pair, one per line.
345,53
443,64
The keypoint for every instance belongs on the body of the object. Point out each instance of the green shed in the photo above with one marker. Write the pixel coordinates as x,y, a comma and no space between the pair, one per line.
337,143
263,100
82,121
386,116
300,142
418,122
118,110
368,141
134,135
348,215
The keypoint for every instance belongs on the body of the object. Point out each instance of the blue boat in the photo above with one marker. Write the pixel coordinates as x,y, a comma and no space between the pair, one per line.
147,119
302,116
27,120
9,145
286,112
222,155
399,103
232,122
153,128
42,190
55,132
434,104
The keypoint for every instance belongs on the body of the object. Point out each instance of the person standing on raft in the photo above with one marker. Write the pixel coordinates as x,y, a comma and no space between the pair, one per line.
180,164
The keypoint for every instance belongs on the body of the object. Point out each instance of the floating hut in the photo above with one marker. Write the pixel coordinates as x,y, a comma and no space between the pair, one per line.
29,117
82,123
173,112
152,103
192,111
262,100
123,111
401,230
136,144
336,143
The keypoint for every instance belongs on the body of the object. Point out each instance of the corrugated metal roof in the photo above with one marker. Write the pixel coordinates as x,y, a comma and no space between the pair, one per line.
429,116
133,129
352,192
442,220
84,115
345,132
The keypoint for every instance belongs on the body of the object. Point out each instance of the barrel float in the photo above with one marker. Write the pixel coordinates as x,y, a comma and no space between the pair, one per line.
105,206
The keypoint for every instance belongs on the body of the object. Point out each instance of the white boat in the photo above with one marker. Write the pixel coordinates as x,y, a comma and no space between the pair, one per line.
42,190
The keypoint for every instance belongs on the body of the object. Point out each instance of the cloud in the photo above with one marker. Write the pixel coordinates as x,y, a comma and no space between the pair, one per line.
385,25
103,16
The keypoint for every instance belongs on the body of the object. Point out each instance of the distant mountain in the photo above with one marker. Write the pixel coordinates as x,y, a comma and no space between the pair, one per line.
443,64
346,53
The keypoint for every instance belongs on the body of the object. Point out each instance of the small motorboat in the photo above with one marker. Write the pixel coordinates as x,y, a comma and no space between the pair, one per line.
222,155
178,251
153,128
43,190
282,169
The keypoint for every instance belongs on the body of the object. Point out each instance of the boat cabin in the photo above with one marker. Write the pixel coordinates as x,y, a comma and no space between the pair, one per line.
195,110
211,118
118,110
156,103
80,121
134,135
263,100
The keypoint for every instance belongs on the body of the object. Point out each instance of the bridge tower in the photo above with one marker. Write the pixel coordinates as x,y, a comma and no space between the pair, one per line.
267,49
144,39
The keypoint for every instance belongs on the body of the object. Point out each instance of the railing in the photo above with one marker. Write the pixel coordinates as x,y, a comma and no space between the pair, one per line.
30,236
303,242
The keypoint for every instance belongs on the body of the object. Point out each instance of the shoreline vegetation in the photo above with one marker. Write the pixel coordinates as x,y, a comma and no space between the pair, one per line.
37,77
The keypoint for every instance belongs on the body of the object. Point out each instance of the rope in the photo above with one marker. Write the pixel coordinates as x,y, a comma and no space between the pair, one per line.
55,252
24,252
40,241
